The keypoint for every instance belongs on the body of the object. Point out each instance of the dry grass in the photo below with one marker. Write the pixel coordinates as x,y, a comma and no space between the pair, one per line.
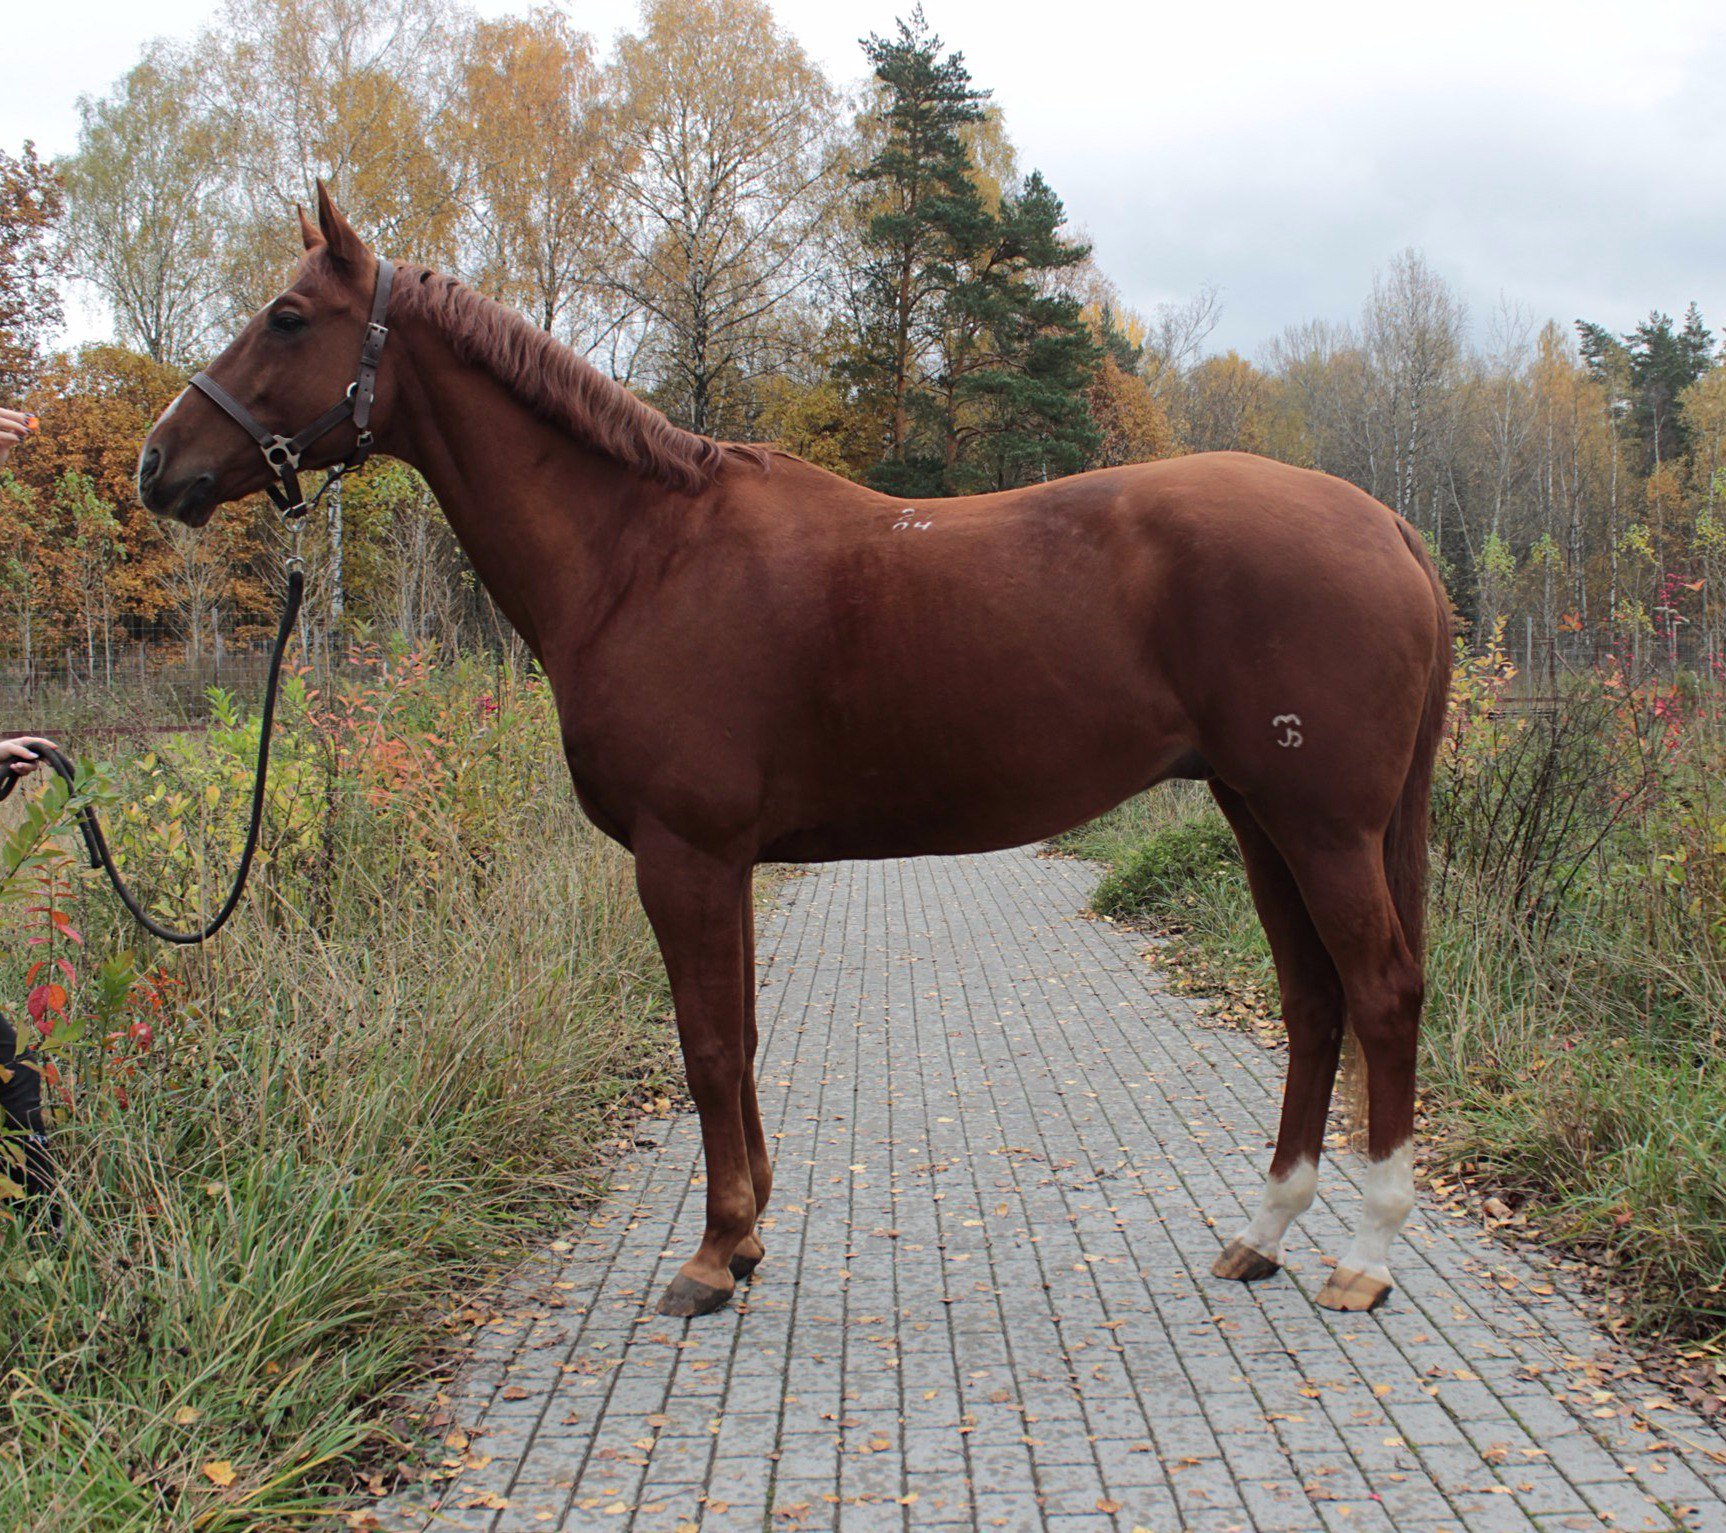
369,1094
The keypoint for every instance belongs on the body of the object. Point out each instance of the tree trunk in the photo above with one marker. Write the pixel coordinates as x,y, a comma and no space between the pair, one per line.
337,602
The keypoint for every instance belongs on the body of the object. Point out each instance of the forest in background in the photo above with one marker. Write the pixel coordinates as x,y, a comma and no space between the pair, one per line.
868,276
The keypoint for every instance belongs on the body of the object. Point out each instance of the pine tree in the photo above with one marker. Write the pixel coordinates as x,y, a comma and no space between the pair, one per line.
975,361
1695,344
923,211
1118,346
1040,358
1601,350
1655,363
1663,363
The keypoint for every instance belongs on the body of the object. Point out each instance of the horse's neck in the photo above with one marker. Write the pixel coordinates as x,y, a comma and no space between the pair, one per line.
542,517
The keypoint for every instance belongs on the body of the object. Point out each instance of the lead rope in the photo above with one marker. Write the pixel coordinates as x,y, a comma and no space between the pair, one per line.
96,844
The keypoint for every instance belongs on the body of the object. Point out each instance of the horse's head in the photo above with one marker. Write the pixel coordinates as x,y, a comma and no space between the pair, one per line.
292,362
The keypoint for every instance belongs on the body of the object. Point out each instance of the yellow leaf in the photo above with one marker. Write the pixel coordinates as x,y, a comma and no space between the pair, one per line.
186,1415
213,795
220,1471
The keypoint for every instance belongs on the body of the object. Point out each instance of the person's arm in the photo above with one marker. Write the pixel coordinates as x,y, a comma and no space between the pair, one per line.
18,755
15,425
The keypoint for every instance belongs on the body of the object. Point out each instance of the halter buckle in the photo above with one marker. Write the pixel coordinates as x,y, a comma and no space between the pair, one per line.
280,453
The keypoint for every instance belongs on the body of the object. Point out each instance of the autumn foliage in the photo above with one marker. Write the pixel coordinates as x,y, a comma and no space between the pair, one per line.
873,281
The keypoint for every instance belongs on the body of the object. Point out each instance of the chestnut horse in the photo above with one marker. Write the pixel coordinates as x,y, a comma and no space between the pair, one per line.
756,660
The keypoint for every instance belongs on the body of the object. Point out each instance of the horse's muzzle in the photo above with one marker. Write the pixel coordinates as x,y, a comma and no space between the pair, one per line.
186,500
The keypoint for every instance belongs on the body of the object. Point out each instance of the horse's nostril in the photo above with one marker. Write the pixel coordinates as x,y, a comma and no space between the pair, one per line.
147,467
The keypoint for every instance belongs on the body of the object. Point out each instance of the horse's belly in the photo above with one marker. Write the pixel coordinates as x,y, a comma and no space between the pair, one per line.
1007,797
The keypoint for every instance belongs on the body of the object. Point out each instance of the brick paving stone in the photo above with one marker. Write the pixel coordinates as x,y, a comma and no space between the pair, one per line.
1006,1155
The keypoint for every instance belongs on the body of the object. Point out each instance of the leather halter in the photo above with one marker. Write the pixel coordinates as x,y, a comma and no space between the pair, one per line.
283,453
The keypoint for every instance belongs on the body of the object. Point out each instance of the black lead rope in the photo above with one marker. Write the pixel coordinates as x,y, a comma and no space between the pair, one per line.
96,844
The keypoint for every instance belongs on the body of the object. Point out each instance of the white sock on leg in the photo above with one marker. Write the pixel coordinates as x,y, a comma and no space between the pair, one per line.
1387,1199
1286,1199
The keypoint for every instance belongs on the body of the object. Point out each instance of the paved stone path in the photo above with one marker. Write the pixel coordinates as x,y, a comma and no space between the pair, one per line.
1006,1157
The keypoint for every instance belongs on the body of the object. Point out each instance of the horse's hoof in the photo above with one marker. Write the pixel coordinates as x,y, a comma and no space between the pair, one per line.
1240,1263
743,1267
1353,1292
686,1296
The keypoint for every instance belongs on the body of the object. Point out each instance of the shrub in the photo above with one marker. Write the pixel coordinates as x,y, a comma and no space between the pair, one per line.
1157,881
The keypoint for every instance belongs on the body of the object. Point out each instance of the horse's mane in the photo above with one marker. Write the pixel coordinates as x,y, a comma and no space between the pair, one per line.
563,387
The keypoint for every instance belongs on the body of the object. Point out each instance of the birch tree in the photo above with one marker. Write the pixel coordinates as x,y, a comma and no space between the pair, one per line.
146,206
1412,336
720,160
528,132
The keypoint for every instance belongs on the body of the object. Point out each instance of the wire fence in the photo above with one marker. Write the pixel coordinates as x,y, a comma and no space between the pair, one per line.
153,679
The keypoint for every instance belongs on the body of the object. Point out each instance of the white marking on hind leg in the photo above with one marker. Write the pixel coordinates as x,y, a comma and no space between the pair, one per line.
1387,1199
1286,1199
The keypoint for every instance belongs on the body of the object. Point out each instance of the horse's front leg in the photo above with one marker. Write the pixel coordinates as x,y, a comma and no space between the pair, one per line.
692,899
750,1249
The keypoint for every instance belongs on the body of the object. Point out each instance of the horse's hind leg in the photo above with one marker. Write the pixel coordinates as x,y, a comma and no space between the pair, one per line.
1312,1004
1349,899
750,1249
692,900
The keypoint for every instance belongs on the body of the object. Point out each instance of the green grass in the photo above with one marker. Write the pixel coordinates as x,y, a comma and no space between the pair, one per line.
1582,1070
350,1121
1170,872
1116,835
1578,1068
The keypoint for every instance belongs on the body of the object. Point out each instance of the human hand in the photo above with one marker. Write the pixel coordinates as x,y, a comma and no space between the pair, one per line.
15,425
19,756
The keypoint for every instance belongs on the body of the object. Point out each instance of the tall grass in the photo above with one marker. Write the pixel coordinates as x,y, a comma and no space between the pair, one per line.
1574,1046
396,1065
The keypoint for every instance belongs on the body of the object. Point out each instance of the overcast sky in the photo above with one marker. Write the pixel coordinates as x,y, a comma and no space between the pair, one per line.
1569,155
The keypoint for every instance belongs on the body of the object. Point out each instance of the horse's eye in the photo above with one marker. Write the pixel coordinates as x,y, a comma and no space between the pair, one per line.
286,321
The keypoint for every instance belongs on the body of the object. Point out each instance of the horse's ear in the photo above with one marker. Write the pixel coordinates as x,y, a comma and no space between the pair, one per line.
309,235
346,248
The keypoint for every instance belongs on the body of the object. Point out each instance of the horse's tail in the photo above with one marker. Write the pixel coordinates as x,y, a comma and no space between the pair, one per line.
1405,838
